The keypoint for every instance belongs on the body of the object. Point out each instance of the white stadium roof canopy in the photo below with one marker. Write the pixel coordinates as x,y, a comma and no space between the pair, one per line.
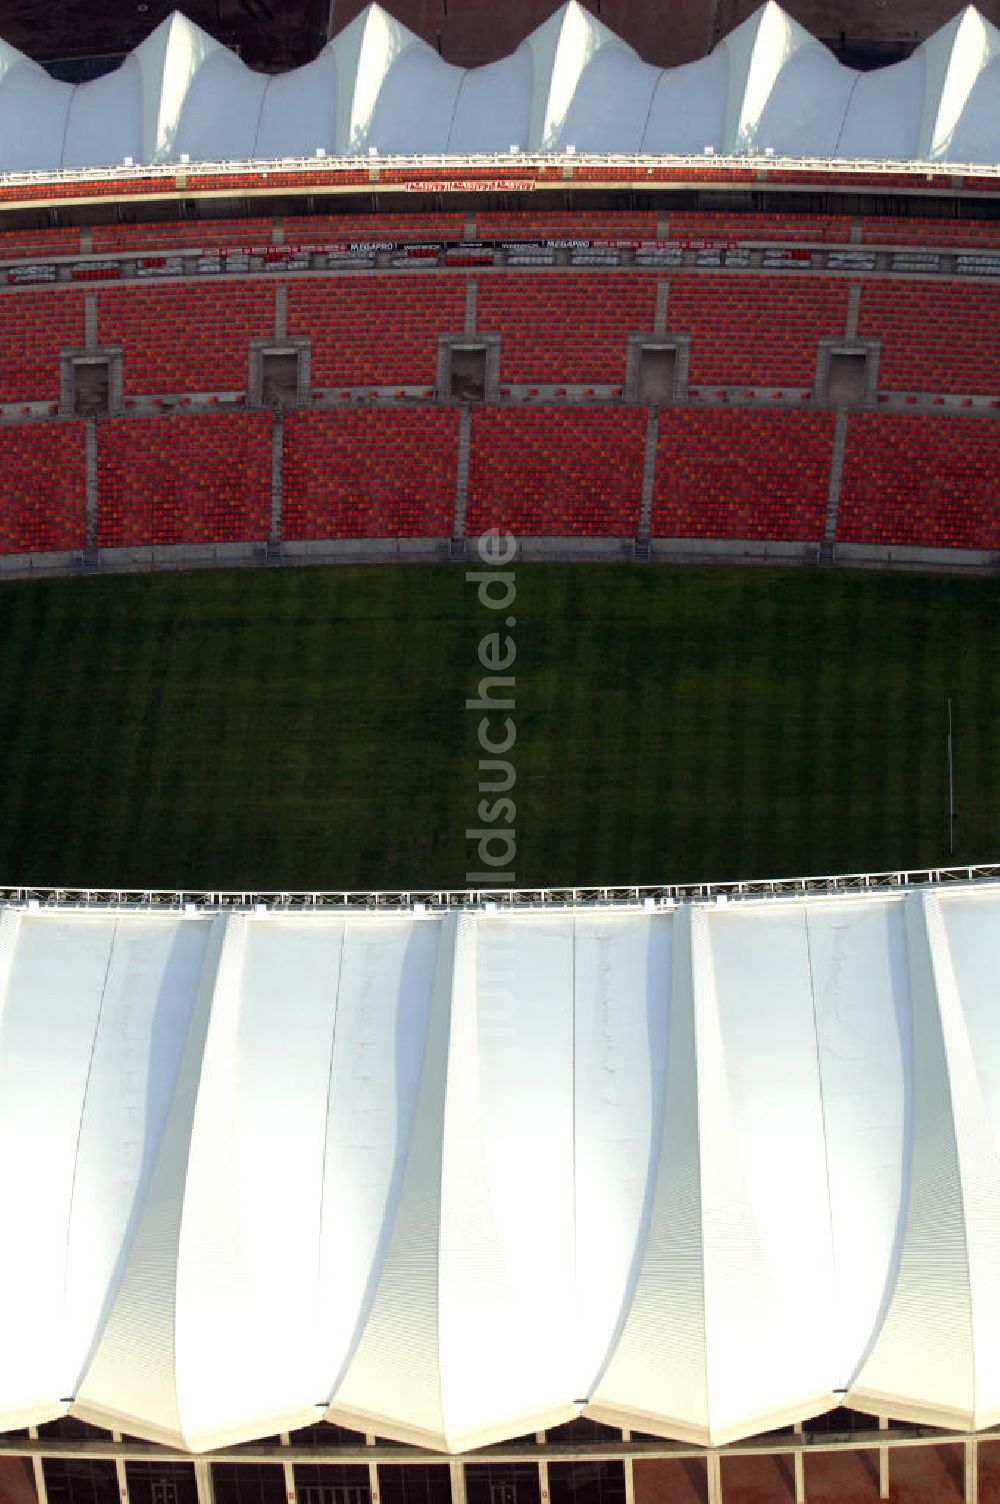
768,84
698,1170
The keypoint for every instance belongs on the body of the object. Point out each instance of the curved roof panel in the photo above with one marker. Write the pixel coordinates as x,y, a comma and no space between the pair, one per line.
572,82
697,1172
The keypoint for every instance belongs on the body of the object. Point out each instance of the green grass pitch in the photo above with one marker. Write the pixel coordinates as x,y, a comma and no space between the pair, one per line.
307,727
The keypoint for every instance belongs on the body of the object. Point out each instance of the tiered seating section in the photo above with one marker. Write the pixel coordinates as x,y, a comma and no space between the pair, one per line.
184,480
762,330
34,326
185,338
369,474
742,475
376,331
558,224
936,336
934,482
980,235
564,327
722,472
320,228
556,473
42,484
191,234
38,243
748,228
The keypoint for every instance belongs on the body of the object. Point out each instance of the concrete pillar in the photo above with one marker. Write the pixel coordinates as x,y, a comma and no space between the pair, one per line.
972,1471
277,477
462,471
373,1488
799,1460
116,1437
457,1471
883,1461
714,1478
648,473
836,475
288,1470
38,1471
204,1482
629,1475
90,483
90,319
660,315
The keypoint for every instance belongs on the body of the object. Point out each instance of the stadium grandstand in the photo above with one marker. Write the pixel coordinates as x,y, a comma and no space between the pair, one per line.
679,1194
749,299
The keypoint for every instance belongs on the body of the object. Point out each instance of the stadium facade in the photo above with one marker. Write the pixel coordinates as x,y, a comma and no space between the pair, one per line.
471,1186
572,84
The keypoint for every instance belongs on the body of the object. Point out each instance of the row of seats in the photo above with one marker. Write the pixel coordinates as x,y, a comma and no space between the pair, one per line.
745,328
587,223
682,225
572,328
936,336
368,474
742,475
193,337
919,480
47,242
556,472
755,329
678,224
35,324
375,331
43,486
184,232
983,234
184,480
384,331
319,228
907,480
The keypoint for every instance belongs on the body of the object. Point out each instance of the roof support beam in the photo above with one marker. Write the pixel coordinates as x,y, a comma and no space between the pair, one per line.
120,1473
883,1461
288,1469
204,1482
714,1478
38,1469
972,1472
799,1462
